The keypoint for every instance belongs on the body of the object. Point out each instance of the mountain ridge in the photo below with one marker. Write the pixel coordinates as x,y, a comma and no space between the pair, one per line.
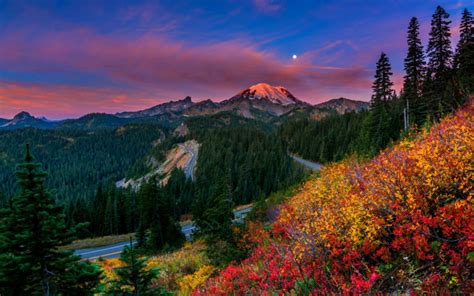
260,101
24,119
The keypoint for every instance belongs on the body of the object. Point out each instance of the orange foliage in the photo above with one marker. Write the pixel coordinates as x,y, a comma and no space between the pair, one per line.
400,222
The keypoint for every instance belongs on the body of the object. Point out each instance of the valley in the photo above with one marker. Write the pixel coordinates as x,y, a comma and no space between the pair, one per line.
321,152
139,146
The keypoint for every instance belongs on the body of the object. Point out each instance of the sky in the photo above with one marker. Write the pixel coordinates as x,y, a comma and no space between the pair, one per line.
64,59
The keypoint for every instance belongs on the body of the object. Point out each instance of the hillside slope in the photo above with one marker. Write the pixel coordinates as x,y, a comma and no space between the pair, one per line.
181,156
402,222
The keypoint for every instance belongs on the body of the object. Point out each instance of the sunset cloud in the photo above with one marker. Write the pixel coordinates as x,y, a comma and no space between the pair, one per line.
162,66
101,57
63,101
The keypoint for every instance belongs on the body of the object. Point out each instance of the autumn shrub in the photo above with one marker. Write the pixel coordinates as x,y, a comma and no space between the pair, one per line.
180,271
399,223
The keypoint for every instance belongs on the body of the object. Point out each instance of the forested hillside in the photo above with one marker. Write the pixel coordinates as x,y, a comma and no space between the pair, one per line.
77,160
391,212
436,82
400,222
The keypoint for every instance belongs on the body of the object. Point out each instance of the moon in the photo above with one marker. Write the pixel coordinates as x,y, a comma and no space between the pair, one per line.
294,57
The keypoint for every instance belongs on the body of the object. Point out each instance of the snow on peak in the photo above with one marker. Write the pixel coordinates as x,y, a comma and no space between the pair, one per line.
275,94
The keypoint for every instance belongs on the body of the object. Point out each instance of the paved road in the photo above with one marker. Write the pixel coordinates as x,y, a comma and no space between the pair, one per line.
106,252
114,251
191,164
307,163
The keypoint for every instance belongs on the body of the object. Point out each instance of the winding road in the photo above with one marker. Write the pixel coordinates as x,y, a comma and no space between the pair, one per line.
106,252
191,164
307,163
114,250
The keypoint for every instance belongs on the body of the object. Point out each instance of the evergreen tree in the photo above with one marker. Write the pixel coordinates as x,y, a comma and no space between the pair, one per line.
439,46
213,217
141,236
155,215
99,207
464,58
134,278
380,123
111,215
31,230
382,86
414,72
439,65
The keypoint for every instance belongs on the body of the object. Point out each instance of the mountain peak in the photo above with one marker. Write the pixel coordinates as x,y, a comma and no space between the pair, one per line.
25,119
23,115
171,106
264,91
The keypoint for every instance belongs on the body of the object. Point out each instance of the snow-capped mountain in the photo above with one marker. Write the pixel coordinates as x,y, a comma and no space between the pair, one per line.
273,94
260,101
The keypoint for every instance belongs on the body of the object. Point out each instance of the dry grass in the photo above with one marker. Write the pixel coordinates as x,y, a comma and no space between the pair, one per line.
98,241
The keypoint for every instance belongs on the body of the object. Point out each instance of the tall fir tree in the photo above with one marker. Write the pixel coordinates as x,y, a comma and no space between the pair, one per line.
464,58
31,230
382,86
414,72
439,46
439,65
155,215
134,278
99,206
382,115
213,217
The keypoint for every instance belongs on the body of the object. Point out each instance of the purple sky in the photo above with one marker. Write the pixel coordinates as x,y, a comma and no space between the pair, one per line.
68,58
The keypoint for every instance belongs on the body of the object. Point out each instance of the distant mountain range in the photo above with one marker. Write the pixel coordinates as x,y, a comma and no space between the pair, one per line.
261,101
24,120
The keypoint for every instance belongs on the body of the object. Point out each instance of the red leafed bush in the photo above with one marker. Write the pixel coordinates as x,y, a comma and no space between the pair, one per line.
402,222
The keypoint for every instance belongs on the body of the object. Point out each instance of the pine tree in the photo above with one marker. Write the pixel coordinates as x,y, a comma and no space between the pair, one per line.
99,206
464,58
110,215
382,86
216,217
214,221
134,278
379,129
414,72
439,65
155,215
140,236
31,230
439,46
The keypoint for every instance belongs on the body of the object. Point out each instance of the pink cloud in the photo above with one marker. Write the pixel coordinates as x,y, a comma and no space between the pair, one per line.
61,101
152,69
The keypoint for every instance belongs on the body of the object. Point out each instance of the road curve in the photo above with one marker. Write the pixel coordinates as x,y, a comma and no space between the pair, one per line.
307,163
191,164
106,252
114,250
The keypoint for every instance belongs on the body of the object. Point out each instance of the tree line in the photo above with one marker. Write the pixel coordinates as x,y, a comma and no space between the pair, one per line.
232,167
77,160
436,82
236,165
32,231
